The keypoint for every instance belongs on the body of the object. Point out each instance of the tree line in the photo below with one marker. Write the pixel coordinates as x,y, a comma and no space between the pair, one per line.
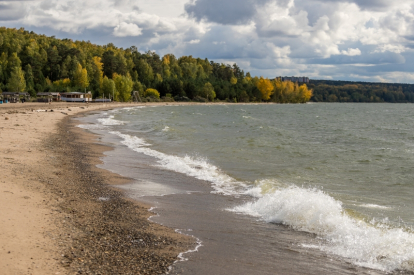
348,91
37,63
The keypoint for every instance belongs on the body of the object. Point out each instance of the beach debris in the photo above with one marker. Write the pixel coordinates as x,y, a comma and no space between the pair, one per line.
6,118
69,109
64,113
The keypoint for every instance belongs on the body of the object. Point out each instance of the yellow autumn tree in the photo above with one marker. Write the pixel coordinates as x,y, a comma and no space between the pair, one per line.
233,81
305,94
289,92
166,66
265,87
80,77
152,93
62,84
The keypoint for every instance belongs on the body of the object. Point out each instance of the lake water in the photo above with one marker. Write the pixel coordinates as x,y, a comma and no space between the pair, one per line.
338,177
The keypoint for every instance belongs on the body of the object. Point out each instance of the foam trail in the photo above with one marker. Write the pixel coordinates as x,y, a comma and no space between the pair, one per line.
309,209
91,126
195,167
110,121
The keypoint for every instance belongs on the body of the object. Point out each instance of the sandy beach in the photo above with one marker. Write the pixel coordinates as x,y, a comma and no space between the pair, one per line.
59,213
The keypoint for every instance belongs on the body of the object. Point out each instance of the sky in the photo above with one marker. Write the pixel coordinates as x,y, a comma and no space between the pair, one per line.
357,40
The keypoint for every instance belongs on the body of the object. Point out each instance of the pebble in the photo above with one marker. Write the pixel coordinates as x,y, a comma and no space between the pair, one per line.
102,236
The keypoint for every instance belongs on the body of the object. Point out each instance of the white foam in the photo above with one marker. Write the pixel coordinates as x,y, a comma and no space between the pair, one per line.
91,126
369,205
133,108
312,210
199,168
110,121
181,255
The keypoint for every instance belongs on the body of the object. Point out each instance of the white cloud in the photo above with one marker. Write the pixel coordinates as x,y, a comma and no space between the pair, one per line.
390,48
127,29
290,36
351,52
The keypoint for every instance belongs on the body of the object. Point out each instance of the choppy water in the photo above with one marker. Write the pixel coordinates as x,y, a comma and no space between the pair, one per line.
341,171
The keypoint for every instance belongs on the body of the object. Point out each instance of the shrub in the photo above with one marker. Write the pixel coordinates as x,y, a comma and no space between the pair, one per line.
152,93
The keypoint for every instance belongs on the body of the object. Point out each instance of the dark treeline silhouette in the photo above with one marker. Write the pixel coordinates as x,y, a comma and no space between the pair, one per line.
348,91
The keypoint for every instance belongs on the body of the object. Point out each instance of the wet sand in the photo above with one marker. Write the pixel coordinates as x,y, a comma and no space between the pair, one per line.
59,213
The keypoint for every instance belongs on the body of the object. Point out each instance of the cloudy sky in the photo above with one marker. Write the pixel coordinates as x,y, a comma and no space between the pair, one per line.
360,40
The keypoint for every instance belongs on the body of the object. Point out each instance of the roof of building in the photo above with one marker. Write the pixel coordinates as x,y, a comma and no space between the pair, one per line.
48,94
10,93
73,93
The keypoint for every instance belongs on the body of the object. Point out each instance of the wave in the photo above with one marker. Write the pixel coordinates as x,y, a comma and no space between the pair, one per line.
198,167
377,246
110,121
133,108
91,126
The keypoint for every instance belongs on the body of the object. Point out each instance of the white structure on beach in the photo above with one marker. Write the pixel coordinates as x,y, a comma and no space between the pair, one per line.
76,97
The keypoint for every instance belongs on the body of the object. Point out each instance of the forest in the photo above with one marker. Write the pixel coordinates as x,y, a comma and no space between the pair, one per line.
348,91
35,63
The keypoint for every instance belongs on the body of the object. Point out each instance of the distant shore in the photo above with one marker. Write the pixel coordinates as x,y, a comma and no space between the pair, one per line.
60,215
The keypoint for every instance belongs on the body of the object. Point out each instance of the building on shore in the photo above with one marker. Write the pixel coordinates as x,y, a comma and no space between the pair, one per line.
299,79
14,97
48,97
76,97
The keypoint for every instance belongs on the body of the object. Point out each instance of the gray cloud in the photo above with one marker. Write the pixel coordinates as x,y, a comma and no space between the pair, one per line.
11,11
337,39
223,11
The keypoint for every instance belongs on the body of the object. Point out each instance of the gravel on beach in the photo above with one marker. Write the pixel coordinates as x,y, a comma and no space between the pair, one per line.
102,231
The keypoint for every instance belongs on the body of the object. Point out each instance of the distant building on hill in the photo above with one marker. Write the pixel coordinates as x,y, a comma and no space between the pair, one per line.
299,79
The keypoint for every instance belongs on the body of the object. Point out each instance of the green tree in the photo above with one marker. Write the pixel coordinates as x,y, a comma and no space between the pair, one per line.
29,80
108,88
80,77
208,91
17,83
145,72
137,86
123,86
96,75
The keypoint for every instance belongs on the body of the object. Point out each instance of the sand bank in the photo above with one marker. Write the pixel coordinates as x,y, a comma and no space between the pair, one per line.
59,215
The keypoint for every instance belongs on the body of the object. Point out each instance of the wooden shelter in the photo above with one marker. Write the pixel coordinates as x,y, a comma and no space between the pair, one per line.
48,97
11,97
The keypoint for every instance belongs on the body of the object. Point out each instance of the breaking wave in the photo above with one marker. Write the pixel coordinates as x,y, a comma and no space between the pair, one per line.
368,244
198,168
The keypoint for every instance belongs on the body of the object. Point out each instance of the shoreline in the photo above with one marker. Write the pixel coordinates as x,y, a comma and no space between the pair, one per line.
77,222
